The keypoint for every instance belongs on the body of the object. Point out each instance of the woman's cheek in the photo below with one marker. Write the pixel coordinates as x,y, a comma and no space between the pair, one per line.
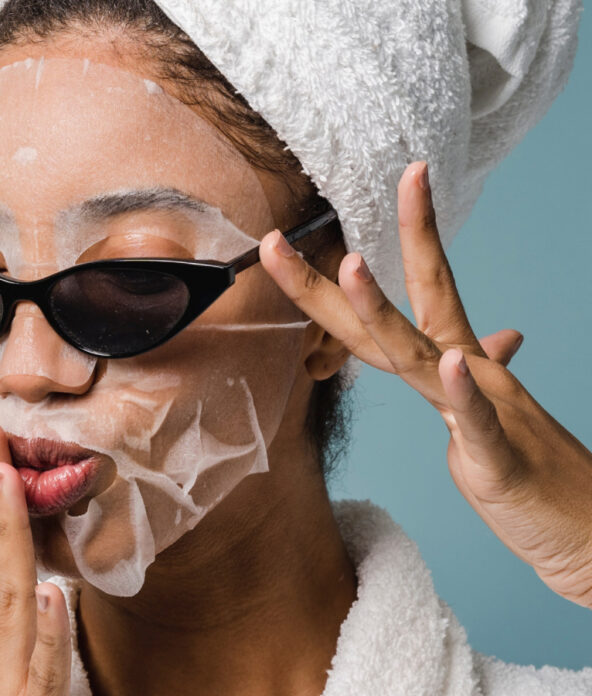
183,425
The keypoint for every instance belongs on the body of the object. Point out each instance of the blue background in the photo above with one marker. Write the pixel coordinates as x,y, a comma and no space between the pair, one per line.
522,261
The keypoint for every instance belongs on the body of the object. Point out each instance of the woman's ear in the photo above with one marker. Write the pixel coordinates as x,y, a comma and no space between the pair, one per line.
327,358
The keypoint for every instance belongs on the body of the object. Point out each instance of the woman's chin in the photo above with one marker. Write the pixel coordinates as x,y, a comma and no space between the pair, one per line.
52,550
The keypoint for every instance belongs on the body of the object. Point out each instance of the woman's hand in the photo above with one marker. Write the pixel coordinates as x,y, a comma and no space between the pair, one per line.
35,650
527,477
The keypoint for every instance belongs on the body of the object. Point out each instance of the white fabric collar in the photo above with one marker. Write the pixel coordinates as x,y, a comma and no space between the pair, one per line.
399,638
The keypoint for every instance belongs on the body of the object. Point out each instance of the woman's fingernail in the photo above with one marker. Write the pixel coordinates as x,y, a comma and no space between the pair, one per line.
42,601
282,246
462,366
517,345
363,272
424,179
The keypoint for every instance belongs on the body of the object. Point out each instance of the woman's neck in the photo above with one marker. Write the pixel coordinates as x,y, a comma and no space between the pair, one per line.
249,603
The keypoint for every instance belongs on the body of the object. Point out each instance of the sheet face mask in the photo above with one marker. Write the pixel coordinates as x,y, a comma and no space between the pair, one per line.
176,429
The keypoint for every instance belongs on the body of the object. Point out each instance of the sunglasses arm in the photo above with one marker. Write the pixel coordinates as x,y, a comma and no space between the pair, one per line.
251,257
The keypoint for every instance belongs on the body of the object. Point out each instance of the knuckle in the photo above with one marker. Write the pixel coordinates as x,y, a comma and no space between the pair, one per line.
436,274
9,597
384,310
13,598
421,352
511,483
51,642
425,351
382,313
310,282
429,219
312,278
489,426
4,528
441,277
47,681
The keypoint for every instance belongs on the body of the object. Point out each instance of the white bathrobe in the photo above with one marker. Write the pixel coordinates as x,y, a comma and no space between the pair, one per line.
399,638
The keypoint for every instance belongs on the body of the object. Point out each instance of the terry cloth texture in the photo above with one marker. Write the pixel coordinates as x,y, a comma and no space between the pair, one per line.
360,88
399,638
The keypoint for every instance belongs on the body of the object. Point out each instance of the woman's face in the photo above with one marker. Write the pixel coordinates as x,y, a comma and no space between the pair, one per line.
92,159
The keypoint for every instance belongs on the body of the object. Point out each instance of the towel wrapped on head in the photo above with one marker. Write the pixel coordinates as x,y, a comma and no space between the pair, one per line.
358,89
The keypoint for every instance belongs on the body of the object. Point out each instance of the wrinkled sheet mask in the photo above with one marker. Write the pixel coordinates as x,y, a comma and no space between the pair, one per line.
176,429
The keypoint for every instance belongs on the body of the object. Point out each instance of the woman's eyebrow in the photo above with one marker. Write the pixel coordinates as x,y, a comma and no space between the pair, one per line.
108,205
78,227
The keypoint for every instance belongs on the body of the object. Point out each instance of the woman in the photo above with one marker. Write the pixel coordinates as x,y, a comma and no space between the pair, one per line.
137,400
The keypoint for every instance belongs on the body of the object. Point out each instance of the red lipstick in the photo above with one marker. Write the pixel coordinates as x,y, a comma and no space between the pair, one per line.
56,474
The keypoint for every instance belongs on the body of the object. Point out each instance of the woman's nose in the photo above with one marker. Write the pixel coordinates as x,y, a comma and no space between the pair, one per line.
36,362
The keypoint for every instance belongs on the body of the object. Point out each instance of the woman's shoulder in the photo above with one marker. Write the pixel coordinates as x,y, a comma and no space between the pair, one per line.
401,638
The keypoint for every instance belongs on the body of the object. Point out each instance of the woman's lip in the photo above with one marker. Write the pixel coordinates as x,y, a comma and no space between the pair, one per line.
56,474
56,490
41,453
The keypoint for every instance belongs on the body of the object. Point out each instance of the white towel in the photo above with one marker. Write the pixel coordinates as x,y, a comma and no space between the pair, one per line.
399,638
359,88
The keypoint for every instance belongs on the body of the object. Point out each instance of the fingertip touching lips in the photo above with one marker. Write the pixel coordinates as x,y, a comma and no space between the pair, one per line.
56,475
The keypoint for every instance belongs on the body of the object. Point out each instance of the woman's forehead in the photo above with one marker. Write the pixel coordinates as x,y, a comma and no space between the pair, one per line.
72,129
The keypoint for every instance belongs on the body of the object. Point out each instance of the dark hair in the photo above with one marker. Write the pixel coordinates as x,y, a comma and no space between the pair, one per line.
199,83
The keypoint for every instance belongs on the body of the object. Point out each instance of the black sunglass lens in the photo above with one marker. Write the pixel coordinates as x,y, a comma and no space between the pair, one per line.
118,312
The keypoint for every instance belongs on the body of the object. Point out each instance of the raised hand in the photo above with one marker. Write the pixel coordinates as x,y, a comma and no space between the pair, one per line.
34,628
527,477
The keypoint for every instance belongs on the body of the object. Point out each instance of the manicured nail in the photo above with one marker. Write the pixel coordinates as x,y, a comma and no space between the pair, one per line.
282,246
517,345
363,272
424,179
42,601
462,366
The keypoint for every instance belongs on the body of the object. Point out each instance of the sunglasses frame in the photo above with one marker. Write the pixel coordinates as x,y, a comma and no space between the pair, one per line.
205,280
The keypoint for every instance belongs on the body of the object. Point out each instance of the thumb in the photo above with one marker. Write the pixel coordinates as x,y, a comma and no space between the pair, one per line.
49,671
502,345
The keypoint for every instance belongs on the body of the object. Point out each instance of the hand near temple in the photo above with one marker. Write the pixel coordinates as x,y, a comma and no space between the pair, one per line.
527,477
35,650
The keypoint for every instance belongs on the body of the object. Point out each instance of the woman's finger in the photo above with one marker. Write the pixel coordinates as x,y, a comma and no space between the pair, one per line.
18,606
411,353
49,671
502,346
5,455
430,284
478,429
319,298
